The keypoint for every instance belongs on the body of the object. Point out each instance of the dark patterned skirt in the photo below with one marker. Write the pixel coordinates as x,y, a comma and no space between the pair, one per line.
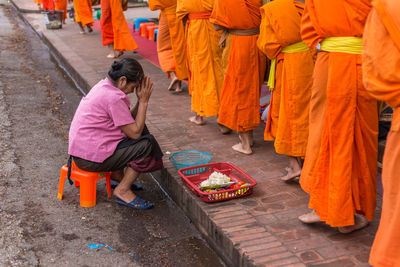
142,155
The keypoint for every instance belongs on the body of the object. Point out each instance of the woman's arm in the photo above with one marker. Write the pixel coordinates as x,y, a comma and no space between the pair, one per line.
134,130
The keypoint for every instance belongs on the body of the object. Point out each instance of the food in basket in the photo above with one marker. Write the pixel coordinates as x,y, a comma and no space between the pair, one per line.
55,24
216,180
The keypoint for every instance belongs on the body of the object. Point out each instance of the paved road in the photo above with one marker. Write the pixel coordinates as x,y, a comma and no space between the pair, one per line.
36,106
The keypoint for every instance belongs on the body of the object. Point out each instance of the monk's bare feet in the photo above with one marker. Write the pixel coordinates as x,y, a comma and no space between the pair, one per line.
291,174
82,32
198,120
223,129
239,148
251,141
359,222
115,54
178,88
310,217
89,28
173,84
119,53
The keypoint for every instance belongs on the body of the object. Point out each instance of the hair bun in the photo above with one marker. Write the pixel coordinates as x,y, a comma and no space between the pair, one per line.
116,66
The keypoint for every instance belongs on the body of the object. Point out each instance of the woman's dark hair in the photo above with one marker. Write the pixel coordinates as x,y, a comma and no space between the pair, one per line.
127,67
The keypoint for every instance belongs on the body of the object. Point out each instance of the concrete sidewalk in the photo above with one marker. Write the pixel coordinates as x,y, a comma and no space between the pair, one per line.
261,229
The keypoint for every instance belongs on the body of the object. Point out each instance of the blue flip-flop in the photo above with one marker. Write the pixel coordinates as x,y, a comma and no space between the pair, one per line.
134,187
137,203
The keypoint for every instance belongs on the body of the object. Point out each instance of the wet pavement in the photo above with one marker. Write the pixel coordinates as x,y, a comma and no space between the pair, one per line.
261,229
37,229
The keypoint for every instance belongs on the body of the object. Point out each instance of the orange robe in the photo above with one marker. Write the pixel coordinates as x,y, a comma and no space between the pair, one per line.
240,98
83,12
287,123
381,74
203,56
114,28
344,176
48,4
170,38
61,5
38,2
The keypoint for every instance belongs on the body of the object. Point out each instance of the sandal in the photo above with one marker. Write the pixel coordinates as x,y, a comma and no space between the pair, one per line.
134,187
137,203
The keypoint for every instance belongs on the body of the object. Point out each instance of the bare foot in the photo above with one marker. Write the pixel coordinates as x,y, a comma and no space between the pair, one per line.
223,129
172,86
251,144
111,55
178,88
115,54
291,174
360,222
120,53
198,120
82,31
89,28
239,148
310,217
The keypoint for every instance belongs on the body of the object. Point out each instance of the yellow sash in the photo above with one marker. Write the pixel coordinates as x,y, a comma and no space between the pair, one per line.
293,48
350,45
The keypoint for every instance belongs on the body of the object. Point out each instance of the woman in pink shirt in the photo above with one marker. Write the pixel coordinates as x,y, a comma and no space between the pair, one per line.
106,135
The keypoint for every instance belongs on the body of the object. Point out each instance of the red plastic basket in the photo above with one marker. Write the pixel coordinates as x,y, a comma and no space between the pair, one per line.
193,176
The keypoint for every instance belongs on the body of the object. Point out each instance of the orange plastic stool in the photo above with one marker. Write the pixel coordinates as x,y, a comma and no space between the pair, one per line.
87,182
150,32
143,28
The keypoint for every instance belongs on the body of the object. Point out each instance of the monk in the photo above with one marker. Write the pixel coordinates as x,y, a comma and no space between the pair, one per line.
342,187
115,33
203,56
83,14
281,42
171,43
39,4
381,75
240,98
48,4
61,5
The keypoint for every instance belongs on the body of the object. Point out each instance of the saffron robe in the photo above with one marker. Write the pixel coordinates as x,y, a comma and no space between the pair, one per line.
61,5
83,12
170,39
381,75
38,2
287,123
240,98
203,56
343,178
48,4
114,28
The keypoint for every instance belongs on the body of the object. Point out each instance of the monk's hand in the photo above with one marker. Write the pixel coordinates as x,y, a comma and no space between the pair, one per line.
144,91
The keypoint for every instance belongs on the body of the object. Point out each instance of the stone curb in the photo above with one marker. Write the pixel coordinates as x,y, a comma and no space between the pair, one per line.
192,206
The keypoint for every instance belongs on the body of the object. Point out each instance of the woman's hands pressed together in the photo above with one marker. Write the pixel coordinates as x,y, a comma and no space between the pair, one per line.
144,91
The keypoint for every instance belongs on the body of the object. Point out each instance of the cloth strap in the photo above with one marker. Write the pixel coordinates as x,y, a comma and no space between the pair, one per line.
293,48
240,32
349,45
199,15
